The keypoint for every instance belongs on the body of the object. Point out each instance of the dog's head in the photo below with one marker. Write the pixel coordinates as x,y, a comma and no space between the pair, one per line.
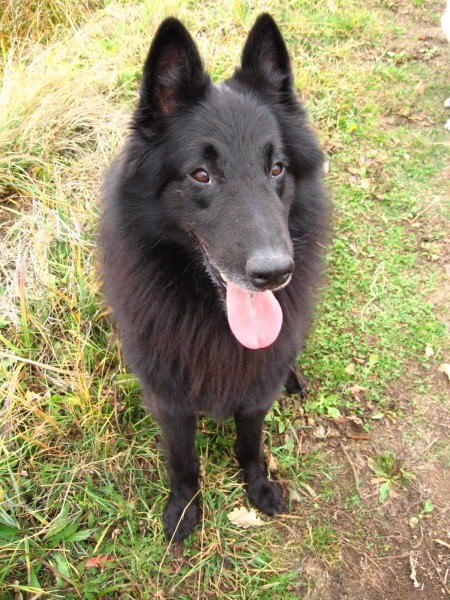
221,166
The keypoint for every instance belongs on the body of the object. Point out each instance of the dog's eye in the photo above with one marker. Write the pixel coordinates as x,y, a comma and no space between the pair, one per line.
201,176
277,169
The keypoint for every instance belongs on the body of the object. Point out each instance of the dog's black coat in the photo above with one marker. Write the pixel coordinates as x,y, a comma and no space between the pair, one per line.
164,232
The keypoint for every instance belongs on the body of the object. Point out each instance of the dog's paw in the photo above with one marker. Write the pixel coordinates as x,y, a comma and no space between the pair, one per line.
296,383
180,518
266,496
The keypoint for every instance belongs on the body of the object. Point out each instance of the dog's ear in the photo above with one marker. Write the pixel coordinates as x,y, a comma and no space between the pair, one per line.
173,73
265,59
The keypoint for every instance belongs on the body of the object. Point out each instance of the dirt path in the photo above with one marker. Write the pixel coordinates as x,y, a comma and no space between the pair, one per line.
401,548
416,543
411,560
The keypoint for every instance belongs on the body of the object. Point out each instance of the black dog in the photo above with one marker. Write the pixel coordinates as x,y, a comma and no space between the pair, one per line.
212,238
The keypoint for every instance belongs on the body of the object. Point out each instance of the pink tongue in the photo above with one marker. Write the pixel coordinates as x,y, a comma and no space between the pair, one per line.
254,318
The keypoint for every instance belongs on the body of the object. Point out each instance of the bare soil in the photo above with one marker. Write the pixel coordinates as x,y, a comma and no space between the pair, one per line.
413,559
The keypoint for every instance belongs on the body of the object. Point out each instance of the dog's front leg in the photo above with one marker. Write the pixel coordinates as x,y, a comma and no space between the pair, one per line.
264,494
182,509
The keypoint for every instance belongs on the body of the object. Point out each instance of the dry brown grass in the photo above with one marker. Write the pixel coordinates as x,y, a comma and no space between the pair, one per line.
33,21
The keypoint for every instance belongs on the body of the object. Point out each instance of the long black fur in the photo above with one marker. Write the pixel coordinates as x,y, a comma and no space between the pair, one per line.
168,307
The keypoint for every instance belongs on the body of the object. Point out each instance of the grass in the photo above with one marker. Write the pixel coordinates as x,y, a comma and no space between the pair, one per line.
389,471
81,475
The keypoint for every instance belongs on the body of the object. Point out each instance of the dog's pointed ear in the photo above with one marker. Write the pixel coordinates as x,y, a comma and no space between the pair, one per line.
173,73
265,59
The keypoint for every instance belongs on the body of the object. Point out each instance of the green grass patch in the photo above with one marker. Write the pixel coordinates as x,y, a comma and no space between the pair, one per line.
82,478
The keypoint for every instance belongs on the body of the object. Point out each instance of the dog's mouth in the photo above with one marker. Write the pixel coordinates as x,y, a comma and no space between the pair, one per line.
213,270
255,317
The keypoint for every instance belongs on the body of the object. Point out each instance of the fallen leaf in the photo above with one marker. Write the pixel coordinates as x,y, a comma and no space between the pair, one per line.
333,433
319,432
272,464
356,389
429,351
413,574
420,88
295,496
413,522
243,518
355,420
97,562
350,368
119,406
445,368
377,416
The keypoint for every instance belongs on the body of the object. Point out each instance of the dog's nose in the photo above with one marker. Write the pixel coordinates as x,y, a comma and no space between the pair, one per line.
269,272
